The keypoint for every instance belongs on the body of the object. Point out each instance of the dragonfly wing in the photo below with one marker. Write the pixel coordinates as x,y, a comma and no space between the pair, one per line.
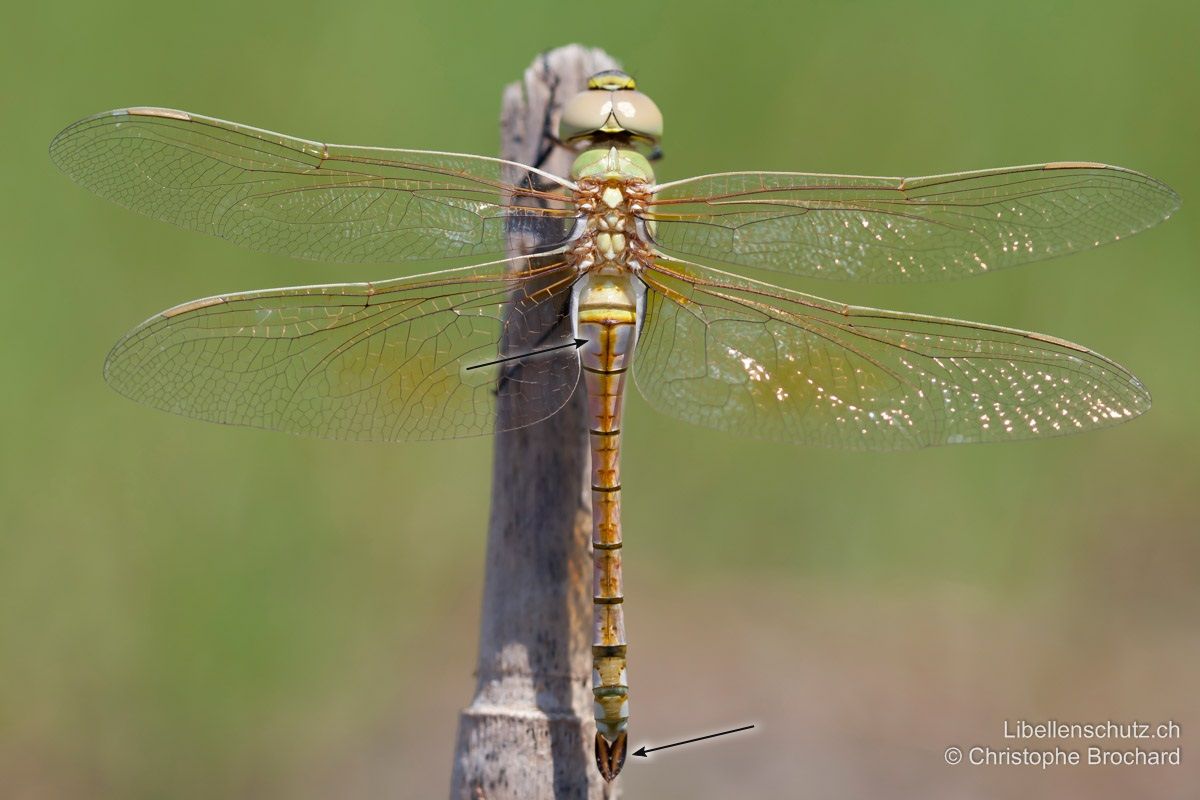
306,199
367,361
738,355
904,229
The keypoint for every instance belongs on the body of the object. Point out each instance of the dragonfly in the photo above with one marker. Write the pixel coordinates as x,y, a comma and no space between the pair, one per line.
648,275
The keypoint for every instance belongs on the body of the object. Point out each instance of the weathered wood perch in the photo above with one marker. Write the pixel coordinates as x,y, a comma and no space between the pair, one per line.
528,733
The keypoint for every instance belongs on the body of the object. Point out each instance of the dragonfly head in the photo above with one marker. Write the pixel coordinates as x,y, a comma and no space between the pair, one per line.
611,108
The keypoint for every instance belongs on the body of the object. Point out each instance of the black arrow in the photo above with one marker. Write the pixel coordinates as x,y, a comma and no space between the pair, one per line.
643,752
576,343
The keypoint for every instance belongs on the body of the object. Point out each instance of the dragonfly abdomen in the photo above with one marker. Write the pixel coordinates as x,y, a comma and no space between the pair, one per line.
607,308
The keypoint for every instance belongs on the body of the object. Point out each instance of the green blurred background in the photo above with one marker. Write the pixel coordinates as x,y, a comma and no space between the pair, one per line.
188,610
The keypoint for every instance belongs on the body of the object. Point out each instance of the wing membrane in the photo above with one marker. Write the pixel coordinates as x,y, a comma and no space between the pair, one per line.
739,355
905,229
306,199
367,361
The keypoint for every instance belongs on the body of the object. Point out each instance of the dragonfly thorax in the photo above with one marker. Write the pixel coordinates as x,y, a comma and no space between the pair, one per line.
612,237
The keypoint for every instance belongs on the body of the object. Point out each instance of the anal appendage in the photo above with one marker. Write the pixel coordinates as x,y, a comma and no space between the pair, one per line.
610,756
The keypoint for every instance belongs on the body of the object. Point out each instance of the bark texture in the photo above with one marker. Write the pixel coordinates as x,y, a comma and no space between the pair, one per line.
528,734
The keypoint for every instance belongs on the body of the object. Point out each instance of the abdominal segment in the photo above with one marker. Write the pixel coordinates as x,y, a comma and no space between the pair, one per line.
606,316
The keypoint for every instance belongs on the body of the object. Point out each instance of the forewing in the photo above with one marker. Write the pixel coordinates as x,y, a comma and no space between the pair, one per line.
325,202
904,229
738,355
367,361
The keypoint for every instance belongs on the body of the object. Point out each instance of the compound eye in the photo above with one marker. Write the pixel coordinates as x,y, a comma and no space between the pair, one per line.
587,113
638,114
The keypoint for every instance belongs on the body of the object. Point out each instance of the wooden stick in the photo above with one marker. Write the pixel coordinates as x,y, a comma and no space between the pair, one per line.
528,734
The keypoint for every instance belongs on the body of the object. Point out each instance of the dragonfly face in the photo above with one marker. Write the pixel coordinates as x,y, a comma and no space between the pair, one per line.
625,254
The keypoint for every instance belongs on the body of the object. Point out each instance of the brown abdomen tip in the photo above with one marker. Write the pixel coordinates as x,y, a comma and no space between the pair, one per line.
610,756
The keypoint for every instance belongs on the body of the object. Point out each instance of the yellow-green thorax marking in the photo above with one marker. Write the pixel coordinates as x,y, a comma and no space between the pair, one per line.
610,249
